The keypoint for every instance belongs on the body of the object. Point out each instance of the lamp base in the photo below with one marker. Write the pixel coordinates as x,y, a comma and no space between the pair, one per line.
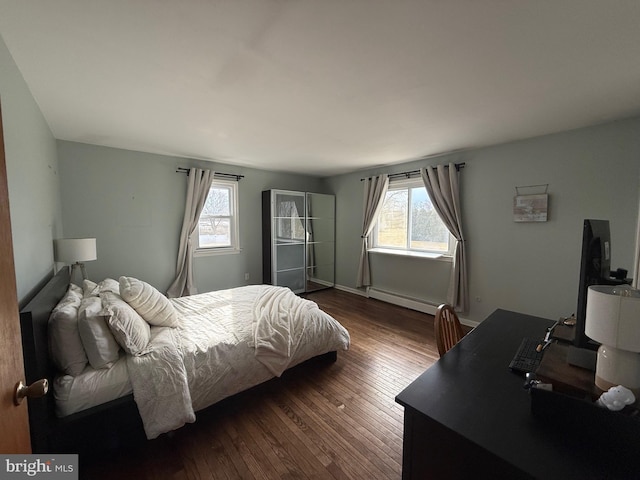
78,266
618,367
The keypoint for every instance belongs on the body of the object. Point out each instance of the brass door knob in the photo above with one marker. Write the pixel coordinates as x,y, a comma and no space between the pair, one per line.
38,388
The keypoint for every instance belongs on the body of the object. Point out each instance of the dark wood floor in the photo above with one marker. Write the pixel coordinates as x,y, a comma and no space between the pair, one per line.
318,421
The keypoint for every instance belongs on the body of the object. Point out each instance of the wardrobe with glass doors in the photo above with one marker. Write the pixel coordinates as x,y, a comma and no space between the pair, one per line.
298,240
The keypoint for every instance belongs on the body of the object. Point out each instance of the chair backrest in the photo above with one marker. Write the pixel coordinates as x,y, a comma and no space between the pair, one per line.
447,327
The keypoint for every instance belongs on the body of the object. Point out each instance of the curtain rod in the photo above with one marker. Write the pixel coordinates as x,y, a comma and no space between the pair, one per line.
215,174
411,173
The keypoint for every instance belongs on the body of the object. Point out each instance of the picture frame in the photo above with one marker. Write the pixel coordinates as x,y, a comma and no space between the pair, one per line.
531,208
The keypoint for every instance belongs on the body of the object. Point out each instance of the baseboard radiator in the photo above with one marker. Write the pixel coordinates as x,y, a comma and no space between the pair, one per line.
412,303
403,301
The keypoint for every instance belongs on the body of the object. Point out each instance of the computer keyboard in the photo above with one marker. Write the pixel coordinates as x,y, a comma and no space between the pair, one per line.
527,358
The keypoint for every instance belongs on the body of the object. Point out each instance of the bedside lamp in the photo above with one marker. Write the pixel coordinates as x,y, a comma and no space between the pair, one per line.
613,319
75,251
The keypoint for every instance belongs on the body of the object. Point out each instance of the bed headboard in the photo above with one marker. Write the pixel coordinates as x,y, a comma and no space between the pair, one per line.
34,320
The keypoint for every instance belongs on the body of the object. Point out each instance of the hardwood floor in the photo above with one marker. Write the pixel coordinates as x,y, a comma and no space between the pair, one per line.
318,421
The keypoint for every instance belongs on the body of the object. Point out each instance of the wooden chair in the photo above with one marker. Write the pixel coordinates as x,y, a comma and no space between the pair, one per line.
447,327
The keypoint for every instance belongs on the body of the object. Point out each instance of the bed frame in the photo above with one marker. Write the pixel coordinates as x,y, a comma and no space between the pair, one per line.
92,430
110,425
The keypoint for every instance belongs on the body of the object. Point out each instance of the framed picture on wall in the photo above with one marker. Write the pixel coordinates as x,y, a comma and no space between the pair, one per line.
530,208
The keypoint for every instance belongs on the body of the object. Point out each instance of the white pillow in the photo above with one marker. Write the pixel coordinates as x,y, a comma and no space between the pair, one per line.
88,287
152,305
106,285
99,344
129,329
71,296
76,289
65,345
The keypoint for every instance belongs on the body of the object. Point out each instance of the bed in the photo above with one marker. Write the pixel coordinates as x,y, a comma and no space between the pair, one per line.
142,374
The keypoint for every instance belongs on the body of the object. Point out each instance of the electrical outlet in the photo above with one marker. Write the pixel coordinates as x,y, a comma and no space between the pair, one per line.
246,276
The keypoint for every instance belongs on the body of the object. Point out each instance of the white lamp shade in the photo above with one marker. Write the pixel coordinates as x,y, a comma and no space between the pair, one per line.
72,250
613,316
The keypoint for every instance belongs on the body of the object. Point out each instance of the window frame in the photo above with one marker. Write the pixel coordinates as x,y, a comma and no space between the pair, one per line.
233,217
408,184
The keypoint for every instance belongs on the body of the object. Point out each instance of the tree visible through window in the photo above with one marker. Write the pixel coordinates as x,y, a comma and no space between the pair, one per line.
408,221
217,228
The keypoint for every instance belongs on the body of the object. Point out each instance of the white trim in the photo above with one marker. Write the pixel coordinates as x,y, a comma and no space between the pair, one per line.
321,282
395,299
442,257
355,291
206,252
413,304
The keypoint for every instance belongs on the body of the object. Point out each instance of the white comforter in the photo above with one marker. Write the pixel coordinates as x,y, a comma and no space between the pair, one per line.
227,342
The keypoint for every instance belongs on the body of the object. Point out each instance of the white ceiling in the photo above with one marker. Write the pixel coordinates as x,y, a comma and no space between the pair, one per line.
323,87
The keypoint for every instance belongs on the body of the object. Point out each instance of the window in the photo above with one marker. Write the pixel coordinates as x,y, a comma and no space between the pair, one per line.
218,225
409,223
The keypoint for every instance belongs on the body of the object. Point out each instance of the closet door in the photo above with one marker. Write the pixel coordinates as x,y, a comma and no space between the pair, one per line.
288,241
320,230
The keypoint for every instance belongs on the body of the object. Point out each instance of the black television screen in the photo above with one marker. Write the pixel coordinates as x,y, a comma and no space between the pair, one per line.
595,269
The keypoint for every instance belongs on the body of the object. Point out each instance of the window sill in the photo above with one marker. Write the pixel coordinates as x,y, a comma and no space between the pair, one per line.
207,252
408,253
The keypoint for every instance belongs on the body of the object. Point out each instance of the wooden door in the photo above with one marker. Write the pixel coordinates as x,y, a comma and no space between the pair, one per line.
14,421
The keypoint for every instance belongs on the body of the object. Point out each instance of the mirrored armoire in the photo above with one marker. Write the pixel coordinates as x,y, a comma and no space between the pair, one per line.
298,240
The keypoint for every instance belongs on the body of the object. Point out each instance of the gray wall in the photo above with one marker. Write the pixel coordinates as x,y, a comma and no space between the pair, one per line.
133,203
32,173
528,267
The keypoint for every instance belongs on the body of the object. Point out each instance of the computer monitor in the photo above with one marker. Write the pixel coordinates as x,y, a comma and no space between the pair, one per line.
595,269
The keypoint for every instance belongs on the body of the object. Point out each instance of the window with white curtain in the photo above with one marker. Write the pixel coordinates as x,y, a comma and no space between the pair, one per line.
408,223
218,224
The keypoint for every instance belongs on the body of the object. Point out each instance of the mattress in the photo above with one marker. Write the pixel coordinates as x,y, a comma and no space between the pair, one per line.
91,388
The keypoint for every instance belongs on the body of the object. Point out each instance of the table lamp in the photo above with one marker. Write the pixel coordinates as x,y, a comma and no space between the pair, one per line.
75,251
613,319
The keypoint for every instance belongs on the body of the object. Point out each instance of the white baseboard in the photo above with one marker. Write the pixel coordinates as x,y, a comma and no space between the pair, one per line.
413,304
402,301
320,282
355,291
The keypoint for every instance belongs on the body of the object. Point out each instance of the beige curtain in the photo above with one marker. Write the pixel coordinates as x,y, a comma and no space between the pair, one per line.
443,188
375,189
198,188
